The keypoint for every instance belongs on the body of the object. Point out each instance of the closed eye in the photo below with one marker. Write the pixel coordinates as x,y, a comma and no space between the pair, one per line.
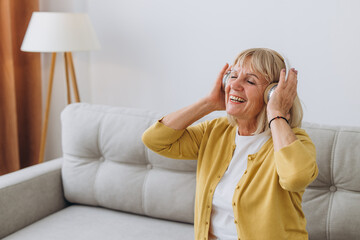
251,81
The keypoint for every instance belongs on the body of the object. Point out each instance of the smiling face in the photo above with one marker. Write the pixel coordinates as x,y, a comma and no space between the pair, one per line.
244,95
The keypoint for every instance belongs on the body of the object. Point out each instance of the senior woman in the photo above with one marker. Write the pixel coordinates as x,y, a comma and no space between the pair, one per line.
253,165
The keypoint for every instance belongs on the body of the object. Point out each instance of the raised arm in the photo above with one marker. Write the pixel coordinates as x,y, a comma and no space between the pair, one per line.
295,154
172,136
279,105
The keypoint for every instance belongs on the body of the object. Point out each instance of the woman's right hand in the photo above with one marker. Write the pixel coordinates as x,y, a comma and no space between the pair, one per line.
216,98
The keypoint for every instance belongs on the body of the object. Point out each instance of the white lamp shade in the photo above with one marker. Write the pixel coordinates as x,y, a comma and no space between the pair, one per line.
59,32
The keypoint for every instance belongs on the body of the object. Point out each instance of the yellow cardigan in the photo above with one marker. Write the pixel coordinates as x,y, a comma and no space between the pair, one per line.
267,199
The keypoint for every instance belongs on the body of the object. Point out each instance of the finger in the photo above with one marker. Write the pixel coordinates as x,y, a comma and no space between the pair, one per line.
292,73
292,79
282,78
291,84
229,68
223,70
219,78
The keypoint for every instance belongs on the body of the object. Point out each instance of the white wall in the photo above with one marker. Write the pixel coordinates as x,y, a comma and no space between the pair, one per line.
163,55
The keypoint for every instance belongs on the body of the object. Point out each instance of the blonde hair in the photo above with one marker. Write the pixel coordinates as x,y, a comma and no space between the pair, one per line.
268,63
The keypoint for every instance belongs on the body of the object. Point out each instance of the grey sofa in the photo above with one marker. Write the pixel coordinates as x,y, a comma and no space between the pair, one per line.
108,185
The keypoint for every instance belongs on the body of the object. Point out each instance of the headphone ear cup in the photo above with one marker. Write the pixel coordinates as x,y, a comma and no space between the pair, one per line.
269,91
225,80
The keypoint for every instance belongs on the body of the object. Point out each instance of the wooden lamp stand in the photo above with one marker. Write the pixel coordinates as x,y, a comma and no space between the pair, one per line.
52,32
69,64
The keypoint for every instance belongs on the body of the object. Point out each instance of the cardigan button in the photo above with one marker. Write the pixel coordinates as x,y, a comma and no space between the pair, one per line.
235,221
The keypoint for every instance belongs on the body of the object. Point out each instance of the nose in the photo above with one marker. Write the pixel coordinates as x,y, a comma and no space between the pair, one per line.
237,84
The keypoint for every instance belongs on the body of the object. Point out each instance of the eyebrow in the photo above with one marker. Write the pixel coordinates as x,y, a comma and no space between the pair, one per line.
252,74
249,74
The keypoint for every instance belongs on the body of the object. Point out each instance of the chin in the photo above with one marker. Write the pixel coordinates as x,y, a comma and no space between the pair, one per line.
233,113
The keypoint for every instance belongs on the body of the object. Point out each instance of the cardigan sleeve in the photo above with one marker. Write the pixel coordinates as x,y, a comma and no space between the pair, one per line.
178,144
296,163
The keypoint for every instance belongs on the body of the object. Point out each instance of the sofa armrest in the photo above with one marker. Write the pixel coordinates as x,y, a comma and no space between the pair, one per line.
29,195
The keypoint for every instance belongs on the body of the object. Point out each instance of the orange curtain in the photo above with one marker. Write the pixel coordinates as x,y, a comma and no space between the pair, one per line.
20,89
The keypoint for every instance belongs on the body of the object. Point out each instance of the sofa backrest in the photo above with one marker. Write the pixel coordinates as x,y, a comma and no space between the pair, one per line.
332,202
106,164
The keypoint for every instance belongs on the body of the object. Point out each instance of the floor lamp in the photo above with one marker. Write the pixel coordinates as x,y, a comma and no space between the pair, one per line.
54,32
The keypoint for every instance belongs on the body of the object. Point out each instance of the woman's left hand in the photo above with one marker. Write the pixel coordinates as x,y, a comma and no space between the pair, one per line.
283,97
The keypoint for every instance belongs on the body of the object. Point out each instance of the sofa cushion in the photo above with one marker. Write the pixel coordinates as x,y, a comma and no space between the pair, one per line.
93,223
106,164
332,202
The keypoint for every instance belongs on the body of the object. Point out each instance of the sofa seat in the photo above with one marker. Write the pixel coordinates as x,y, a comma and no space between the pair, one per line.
85,222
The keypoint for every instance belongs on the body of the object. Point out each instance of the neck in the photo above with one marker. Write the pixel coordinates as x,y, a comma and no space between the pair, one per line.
246,127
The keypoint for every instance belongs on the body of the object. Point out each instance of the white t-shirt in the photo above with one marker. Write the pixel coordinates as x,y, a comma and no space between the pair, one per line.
222,216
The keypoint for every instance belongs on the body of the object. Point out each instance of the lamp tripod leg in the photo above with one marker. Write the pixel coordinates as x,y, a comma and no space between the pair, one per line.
67,78
72,70
47,110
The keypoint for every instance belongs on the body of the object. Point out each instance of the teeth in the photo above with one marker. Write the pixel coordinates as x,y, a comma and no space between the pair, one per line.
236,99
